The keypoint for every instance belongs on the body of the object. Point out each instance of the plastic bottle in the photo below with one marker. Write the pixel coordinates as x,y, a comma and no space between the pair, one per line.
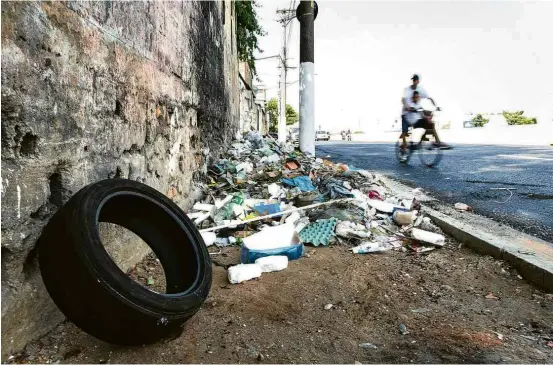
463,206
403,218
428,237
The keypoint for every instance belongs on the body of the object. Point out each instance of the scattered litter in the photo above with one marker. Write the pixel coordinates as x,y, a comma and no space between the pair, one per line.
203,207
150,280
491,296
368,345
209,238
403,218
351,229
463,206
403,329
510,196
270,199
266,209
328,306
243,272
272,241
499,335
428,237
370,247
550,344
302,182
272,263
319,233
420,310
526,252
382,205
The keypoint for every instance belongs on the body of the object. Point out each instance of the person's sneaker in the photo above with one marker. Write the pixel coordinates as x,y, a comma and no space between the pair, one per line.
443,146
403,156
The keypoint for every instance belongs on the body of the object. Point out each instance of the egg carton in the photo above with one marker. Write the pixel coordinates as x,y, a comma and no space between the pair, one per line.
319,233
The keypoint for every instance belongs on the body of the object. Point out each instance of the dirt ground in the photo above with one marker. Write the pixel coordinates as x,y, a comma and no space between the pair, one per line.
457,307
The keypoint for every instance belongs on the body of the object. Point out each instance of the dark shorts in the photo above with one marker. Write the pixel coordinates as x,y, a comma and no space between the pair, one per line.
421,123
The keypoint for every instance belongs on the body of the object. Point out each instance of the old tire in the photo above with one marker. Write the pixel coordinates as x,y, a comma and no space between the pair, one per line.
91,290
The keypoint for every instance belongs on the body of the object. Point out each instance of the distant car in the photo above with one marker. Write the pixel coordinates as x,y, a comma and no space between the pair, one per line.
322,136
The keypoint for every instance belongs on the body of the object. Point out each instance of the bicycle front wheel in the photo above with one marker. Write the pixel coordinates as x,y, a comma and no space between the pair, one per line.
430,154
402,156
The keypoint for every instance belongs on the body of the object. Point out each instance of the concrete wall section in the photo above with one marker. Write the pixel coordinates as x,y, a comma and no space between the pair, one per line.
93,90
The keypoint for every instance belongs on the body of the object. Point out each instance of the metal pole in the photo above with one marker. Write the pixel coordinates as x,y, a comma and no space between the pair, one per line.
282,96
306,13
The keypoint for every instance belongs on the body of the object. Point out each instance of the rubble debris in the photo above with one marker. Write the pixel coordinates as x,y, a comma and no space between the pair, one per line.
271,199
329,306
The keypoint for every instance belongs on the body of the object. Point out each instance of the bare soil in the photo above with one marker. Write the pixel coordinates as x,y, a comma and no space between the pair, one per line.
457,306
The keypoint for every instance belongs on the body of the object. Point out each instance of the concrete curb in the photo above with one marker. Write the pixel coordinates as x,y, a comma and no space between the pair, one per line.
533,258
530,256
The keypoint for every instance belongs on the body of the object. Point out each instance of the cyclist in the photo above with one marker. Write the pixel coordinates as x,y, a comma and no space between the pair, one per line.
410,116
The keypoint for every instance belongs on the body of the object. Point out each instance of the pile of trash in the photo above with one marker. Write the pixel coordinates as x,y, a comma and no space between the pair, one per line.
271,200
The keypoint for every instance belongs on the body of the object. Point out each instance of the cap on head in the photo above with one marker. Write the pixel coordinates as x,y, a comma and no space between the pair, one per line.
415,77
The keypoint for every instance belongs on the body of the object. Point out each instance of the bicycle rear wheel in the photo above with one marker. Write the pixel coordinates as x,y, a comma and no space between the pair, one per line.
430,154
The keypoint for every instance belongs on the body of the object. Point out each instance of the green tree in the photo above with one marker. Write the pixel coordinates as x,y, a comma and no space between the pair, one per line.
517,118
272,111
247,31
291,115
479,120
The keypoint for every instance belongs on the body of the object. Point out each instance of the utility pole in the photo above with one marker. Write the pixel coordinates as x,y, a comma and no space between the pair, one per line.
282,84
306,14
283,66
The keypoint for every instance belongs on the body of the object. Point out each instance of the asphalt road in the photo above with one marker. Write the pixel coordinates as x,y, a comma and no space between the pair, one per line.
467,174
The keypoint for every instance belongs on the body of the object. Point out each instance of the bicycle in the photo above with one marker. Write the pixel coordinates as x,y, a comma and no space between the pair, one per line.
429,153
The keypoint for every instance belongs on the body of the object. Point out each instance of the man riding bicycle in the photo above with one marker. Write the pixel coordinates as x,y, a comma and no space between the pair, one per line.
410,115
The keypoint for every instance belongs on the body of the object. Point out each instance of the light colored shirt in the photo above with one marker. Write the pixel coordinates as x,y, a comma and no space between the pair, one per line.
408,95
410,116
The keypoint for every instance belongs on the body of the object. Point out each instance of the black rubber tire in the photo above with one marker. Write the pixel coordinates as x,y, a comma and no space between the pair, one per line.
91,290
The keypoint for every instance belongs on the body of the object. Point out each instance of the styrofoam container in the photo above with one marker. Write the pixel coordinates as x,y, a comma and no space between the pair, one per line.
272,263
243,272
209,238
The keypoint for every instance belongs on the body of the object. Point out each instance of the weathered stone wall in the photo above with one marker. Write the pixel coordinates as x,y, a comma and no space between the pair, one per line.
92,90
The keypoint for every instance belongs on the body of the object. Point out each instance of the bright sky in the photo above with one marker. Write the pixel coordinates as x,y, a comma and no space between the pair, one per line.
472,56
